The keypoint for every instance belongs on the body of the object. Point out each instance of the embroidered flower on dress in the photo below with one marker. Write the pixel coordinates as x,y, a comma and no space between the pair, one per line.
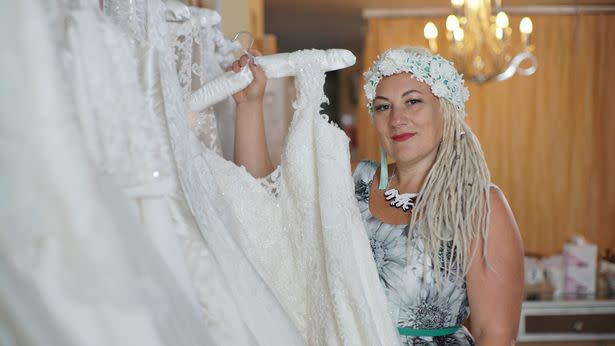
361,190
424,306
434,70
448,340
426,314
388,245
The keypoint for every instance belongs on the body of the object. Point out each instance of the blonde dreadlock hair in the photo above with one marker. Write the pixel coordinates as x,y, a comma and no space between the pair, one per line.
452,209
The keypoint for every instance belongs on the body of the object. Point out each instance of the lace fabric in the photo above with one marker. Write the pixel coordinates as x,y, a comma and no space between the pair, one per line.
146,166
239,307
342,303
195,59
271,182
206,124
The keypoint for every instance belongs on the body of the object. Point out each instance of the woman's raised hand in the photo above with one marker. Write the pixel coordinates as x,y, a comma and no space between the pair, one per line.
250,148
255,91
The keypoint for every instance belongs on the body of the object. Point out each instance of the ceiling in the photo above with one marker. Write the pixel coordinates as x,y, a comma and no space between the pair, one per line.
323,24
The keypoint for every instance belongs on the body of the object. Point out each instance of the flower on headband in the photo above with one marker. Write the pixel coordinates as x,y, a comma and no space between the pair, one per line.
389,63
433,70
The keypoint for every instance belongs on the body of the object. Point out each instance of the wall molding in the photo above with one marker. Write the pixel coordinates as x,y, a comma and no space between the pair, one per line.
561,10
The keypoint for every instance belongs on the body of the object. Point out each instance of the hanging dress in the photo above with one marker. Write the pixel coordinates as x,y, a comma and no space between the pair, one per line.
304,234
80,268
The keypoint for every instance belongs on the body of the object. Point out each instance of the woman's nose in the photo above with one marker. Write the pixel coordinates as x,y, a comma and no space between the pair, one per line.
398,117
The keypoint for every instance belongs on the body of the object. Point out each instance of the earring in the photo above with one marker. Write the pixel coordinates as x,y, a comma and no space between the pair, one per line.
384,170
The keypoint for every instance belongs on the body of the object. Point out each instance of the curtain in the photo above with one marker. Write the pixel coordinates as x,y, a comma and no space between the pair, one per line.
549,138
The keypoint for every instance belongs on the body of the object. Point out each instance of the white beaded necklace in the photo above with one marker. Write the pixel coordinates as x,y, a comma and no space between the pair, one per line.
404,201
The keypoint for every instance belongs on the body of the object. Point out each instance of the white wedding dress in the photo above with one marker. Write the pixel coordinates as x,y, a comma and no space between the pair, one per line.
92,215
239,308
77,266
242,307
304,233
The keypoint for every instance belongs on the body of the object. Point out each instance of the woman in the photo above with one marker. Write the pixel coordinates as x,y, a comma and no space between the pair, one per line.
443,237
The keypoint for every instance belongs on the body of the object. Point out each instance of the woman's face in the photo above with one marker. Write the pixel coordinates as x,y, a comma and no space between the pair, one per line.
408,119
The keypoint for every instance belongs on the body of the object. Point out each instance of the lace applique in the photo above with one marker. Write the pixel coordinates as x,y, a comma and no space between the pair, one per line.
193,57
182,40
271,183
207,130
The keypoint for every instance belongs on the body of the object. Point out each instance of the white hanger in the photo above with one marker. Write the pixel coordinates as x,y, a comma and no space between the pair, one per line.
274,66
176,11
207,18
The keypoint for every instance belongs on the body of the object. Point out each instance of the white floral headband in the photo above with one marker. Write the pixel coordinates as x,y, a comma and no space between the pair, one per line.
434,70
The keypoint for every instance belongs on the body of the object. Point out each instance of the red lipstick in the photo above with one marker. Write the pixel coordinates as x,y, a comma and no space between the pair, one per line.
403,136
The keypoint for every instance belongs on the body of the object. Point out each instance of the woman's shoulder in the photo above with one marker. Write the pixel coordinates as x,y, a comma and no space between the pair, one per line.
364,169
362,165
502,224
497,198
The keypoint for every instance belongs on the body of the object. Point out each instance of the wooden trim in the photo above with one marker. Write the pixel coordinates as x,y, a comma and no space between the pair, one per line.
518,10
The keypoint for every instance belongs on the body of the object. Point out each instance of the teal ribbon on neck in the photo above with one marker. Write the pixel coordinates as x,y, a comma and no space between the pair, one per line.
428,332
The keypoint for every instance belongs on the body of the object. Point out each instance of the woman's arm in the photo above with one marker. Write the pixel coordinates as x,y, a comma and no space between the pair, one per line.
495,294
250,141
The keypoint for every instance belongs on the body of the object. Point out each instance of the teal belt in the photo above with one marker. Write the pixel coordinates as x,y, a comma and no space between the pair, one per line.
428,332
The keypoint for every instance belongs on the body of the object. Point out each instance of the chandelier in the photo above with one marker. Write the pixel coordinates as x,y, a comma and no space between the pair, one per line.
479,39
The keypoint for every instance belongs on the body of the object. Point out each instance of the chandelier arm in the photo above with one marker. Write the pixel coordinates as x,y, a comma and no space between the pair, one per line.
513,67
534,64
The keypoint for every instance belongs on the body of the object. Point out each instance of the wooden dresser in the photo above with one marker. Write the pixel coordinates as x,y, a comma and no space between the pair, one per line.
568,322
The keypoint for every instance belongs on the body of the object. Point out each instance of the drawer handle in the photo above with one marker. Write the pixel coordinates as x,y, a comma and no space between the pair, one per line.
578,326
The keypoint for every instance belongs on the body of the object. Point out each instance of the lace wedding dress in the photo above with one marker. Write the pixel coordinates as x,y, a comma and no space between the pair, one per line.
248,309
78,267
87,242
198,51
239,308
306,238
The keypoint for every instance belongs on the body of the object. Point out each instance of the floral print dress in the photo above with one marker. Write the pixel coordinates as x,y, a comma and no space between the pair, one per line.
413,299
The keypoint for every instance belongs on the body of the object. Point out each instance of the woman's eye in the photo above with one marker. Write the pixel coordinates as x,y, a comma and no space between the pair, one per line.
413,101
380,108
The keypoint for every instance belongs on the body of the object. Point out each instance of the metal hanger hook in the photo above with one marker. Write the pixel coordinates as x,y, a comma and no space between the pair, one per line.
246,50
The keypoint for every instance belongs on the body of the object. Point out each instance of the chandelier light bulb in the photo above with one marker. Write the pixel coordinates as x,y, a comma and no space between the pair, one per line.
501,20
458,34
499,33
485,22
526,26
430,31
452,23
